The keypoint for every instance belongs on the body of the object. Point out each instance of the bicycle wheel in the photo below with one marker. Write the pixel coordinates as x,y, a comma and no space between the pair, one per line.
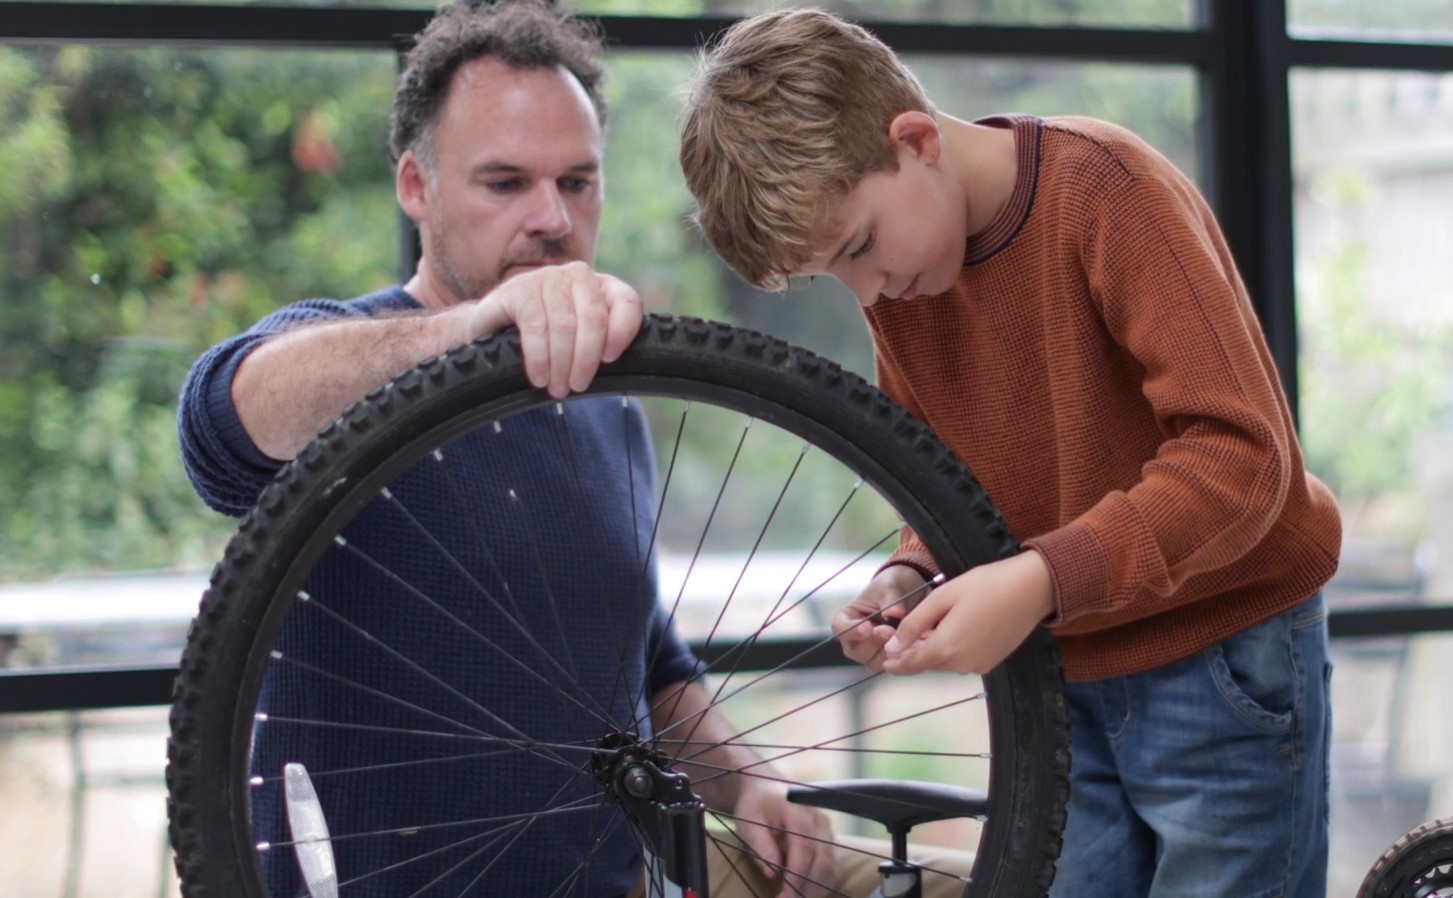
1419,865
365,639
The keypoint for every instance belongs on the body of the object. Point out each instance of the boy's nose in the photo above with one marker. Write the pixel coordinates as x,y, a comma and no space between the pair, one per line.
867,288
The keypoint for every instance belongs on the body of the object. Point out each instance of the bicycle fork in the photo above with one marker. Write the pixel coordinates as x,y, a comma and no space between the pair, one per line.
670,817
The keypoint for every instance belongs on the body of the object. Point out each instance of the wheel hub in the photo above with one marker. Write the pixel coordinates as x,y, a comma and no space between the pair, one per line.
670,817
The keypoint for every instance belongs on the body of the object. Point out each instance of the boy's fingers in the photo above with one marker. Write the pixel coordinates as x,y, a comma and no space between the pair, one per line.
925,654
848,620
865,649
918,622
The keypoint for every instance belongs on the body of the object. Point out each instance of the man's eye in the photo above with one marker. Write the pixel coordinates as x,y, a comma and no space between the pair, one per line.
504,186
576,185
862,250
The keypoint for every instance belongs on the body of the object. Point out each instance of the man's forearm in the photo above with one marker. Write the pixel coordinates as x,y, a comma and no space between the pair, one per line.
298,381
690,728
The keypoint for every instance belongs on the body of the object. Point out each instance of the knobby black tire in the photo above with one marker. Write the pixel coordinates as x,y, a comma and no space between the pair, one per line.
221,668
1418,865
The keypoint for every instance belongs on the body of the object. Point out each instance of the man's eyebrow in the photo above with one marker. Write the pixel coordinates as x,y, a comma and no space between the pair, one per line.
497,167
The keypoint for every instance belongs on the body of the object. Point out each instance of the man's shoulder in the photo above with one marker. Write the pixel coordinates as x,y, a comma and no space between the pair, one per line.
390,299
380,302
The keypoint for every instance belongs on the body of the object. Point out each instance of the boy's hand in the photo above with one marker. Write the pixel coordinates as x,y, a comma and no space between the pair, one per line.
974,621
868,621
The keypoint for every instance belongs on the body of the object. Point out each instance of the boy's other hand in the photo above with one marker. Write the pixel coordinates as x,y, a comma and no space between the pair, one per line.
866,624
571,318
974,621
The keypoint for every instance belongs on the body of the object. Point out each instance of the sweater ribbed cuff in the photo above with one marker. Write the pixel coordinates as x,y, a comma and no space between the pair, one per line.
225,419
1079,569
920,561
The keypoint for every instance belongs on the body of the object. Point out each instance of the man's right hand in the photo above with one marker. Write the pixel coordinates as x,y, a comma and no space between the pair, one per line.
571,319
869,621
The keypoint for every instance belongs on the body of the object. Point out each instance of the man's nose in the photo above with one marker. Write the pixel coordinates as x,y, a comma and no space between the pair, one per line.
549,214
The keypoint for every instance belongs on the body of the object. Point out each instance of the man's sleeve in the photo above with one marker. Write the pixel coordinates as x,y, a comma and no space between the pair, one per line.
225,466
674,662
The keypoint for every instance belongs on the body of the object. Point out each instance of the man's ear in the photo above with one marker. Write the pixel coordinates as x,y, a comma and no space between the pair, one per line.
916,133
411,186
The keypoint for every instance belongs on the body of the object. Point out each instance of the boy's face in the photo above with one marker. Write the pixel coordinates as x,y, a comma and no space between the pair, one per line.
899,234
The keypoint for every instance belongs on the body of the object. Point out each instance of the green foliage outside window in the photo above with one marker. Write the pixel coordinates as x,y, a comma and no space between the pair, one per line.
1375,390
163,199
158,200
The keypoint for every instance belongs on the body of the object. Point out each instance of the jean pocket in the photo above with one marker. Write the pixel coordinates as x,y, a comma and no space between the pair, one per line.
1255,675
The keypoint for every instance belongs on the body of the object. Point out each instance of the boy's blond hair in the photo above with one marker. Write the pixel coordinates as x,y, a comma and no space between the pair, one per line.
789,112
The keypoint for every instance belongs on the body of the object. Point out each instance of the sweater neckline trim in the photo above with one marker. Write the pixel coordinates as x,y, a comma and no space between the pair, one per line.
1028,133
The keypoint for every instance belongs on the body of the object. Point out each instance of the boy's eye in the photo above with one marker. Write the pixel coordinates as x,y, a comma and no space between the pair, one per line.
863,249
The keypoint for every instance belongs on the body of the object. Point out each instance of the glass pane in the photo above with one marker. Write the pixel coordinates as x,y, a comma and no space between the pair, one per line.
1373,226
85,804
1373,222
1392,720
1161,104
1094,13
645,237
155,201
383,4
1407,20
1101,13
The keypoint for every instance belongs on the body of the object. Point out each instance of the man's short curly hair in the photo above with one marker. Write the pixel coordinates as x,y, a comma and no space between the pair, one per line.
789,112
524,34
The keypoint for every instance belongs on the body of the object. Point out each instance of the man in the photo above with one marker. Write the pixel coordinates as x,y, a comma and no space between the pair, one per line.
497,133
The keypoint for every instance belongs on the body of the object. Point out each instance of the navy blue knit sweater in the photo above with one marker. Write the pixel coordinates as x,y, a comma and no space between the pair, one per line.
528,521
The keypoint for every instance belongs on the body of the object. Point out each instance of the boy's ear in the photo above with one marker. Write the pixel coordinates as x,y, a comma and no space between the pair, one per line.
917,133
411,187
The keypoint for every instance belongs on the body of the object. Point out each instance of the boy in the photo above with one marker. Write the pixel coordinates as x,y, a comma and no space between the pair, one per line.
1057,302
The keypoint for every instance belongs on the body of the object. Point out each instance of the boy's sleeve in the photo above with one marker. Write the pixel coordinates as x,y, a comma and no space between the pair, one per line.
223,463
1170,296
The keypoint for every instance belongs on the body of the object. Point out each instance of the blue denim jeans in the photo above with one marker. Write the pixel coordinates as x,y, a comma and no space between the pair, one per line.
1206,778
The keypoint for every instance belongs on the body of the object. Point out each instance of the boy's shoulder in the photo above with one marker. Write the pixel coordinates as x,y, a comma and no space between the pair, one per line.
1089,128
1092,139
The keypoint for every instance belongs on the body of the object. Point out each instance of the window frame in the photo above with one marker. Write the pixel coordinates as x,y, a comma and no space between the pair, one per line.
1242,53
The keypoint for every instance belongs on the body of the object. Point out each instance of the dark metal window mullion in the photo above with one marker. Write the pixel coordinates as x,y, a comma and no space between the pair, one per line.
1246,148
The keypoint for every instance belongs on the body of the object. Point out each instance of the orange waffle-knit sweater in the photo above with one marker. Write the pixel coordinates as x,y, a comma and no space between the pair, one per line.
1099,367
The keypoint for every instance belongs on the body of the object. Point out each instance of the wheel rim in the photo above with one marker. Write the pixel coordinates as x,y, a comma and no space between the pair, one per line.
809,751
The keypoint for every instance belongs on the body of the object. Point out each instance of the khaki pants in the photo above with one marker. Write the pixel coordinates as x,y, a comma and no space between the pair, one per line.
733,873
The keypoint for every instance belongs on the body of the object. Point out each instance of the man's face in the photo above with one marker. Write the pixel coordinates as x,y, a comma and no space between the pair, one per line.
517,180
900,233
